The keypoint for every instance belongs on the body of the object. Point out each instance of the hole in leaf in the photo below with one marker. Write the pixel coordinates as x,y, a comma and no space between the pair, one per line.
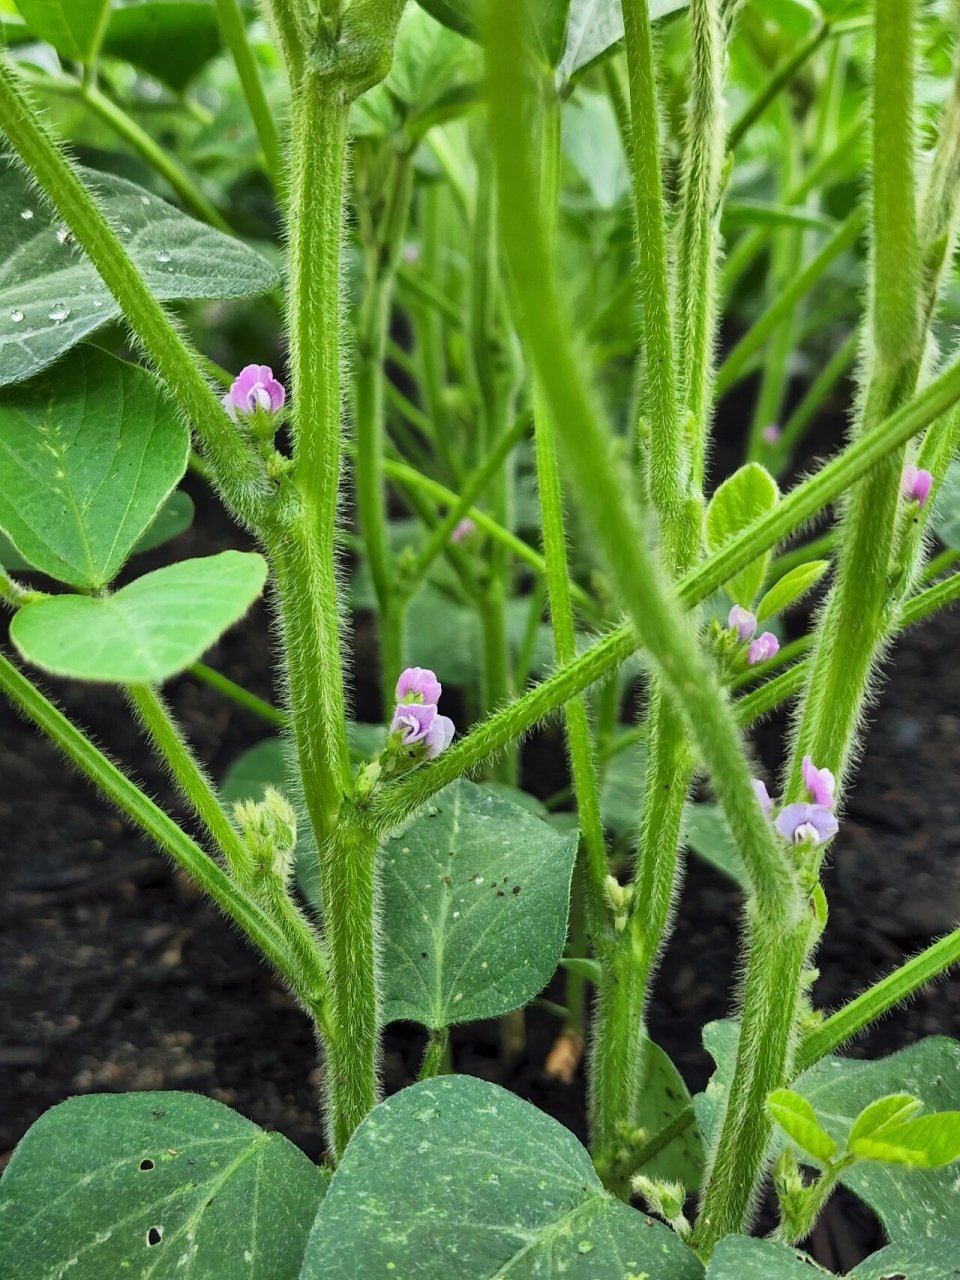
154,1235
146,1165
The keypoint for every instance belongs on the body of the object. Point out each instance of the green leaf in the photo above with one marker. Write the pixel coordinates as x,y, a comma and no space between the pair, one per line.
622,791
744,1258
173,518
919,1203
265,765
457,1177
71,26
915,1260
583,967
790,588
795,18
892,1109
50,295
710,838
797,1118
169,39
663,1097
595,28
167,1185
591,140
928,1142
748,494
720,1039
147,631
946,514
88,453
475,893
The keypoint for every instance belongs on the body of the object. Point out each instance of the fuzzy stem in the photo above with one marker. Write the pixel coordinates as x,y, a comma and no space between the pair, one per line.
237,468
234,30
236,693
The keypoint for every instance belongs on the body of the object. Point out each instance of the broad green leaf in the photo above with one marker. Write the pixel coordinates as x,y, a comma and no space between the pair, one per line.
265,765
173,518
911,1203
71,26
892,1109
912,1260
591,140
720,1039
167,1185
595,28
795,18
50,295
622,789
147,631
710,838
946,515
791,587
663,1097
431,64
455,1177
89,451
744,1258
928,1142
748,494
797,1118
475,893
169,39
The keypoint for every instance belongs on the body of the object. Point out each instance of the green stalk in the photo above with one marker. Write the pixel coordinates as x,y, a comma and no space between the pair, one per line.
160,828
289,23
836,367
237,468
234,30
236,693
381,245
779,78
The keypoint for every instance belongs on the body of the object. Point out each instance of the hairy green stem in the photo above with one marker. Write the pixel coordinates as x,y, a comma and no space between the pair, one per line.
236,693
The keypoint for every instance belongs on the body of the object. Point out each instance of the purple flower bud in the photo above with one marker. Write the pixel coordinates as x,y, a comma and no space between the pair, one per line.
413,721
254,388
916,484
819,782
771,434
763,796
799,823
743,622
463,530
439,736
419,684
765,646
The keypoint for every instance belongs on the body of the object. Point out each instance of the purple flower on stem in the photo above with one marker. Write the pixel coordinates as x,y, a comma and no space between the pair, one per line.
419,684
765,646
819,782
770,434
254,388
916,484
743,622
439,736
799,823
413,721
763,796
463,530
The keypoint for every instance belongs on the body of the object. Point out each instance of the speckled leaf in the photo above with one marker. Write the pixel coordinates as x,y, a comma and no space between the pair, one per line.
457,1177
50,295
475,895
911,1260
147,631
743,1258
663,1097
169,1186
911,1203
88,453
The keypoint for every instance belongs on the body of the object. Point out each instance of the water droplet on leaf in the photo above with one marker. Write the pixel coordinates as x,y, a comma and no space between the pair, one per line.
26,214
58,313
16,316
163,256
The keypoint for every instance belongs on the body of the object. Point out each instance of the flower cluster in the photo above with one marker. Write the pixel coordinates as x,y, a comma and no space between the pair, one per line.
812,821
254,390
744,623
416,721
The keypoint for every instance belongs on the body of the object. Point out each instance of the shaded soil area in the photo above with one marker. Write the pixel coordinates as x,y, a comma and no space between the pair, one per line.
117,976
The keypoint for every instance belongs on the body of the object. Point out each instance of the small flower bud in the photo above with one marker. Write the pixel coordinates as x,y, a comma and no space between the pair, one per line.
464,530
664,1199
819,782
770,433
419,684
743,622
763,795
764,647
269,830
916,484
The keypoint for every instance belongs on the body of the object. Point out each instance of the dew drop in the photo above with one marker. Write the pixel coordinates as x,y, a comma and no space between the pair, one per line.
64,236
16,316
163,256
58,313
26,214
98,302
145,201
125,228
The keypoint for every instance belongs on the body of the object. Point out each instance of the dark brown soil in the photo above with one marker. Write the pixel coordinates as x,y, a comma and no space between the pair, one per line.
117,976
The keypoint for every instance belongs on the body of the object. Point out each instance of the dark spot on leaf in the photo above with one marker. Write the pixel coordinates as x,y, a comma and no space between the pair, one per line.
447,880
146,1165
516,888
159,1114
154,1235
423,955
501,894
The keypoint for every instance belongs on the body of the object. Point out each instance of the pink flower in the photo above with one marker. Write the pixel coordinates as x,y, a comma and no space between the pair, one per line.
765,646
743,622
819,782
770,434
463,530
413,722
799,823
419,684
916,485
439,736
254,388
763,796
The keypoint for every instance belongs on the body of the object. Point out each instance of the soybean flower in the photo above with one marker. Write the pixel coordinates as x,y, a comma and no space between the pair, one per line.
743,622
254,388
418,684
765,646
416,722
463,530
803,822
916,484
